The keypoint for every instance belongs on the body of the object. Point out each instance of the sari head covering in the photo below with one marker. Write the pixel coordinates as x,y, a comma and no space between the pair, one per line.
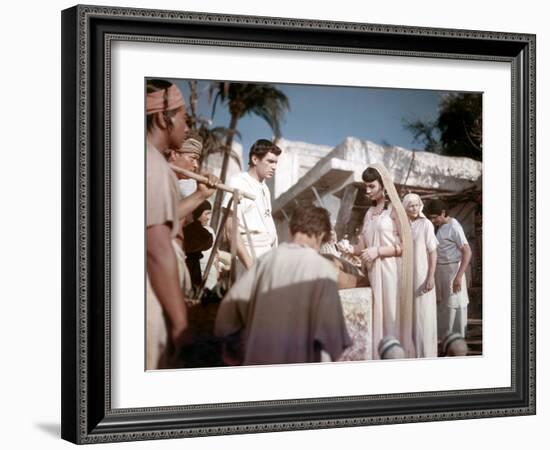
164,100
409,198
406,287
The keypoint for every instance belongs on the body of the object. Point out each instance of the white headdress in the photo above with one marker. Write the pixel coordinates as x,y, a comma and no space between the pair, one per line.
410,198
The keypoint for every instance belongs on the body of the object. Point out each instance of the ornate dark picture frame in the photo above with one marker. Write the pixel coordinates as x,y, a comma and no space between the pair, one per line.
87,35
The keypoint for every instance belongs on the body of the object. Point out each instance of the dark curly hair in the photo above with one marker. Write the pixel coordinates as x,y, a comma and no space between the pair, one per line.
435,207
262,147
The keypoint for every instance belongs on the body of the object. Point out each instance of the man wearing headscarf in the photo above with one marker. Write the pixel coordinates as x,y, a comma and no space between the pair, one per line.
166,314
187,157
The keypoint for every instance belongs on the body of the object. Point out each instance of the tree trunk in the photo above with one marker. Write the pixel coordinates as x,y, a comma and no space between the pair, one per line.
216,210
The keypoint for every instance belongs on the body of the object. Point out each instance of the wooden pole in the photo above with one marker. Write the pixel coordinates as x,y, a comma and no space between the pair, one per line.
203,179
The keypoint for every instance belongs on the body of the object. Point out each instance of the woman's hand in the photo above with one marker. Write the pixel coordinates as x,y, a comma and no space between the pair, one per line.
369,255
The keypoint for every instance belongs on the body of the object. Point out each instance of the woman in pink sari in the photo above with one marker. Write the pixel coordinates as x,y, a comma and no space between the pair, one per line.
385,247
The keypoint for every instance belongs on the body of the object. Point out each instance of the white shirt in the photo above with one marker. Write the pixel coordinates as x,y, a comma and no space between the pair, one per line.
257,213
451,239
187,187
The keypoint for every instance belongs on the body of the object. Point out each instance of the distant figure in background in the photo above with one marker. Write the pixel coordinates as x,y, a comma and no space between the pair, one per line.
425,260
204,219
286,308
390,348
197,239
454,344
262,163
453,257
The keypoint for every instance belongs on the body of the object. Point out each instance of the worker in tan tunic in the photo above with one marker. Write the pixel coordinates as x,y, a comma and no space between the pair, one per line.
286,308
167,327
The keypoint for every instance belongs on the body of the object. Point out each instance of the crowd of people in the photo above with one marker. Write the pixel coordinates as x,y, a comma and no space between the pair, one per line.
282,303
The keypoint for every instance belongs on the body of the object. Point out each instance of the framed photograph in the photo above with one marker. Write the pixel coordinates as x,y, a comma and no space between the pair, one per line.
437,114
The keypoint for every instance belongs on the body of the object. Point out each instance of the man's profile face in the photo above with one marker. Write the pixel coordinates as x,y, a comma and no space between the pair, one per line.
265,167
187,161
178,129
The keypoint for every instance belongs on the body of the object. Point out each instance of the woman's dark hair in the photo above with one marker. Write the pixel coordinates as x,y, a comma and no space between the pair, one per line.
204,206
370,175
262,147
155,86
435,208
311,221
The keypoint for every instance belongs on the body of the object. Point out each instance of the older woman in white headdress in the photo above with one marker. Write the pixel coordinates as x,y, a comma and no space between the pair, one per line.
385,247
424,263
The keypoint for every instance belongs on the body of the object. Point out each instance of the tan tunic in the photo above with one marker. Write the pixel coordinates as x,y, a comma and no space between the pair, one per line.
161,208
288,306
163,194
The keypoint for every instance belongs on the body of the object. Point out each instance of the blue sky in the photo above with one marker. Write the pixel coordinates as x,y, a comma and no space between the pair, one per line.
326,115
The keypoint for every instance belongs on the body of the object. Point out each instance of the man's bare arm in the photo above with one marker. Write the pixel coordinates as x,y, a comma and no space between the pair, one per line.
464,261
162,269
192,202
242,252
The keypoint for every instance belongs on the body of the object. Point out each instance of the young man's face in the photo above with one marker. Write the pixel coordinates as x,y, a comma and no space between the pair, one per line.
438,219
265,167
188,161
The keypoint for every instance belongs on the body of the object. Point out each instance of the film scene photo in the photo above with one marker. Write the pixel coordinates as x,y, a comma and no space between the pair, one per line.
292,224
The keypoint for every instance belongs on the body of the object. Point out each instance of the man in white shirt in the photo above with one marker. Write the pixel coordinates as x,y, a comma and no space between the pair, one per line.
453,257
255,215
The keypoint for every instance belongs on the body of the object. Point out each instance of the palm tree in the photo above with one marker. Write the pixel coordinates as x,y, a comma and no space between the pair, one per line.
262,100
213,139
457,131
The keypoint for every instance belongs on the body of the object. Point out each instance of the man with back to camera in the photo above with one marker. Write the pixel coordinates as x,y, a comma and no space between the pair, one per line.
286,308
